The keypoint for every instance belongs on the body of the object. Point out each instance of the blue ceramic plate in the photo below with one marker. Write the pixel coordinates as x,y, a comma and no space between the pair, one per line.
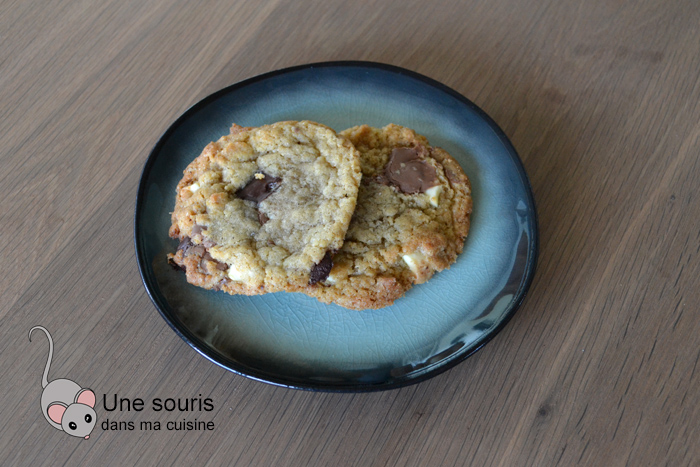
295,341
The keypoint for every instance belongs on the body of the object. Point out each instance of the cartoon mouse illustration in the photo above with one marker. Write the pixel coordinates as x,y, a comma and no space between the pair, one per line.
65,404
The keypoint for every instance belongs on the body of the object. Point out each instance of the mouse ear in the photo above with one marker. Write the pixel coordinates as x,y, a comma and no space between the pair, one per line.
87,397
56,411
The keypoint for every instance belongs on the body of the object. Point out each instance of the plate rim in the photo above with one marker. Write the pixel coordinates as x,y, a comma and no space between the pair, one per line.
288,382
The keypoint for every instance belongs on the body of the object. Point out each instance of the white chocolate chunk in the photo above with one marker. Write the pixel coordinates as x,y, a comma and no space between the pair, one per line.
434,194
236,274
414,261
330,280
194,187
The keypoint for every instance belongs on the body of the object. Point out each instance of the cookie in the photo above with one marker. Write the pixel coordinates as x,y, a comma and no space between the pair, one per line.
411,219
261,208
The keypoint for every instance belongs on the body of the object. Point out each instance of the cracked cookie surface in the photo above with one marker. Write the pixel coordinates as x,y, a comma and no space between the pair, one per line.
411,219
259,209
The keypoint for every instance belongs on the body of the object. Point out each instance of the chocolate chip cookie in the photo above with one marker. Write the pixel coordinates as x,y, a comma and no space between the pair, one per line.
262,209
411,219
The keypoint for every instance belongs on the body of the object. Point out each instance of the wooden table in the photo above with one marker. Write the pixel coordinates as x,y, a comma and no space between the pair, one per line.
600,366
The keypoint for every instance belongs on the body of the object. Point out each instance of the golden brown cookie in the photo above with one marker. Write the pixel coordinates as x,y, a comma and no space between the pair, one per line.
411,219
260,209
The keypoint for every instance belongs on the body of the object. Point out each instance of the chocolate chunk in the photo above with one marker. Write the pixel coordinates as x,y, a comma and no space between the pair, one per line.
185,245
176,266
262,217
189,248
259,188
208,257
408,171
197,232
321,270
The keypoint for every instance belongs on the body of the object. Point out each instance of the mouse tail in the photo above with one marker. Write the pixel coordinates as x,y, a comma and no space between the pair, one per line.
45,378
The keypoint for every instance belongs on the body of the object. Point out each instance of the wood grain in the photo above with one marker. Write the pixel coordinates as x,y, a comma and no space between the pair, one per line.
601,99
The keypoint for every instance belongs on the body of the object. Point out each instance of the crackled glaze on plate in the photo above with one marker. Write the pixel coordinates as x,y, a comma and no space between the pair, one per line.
295,341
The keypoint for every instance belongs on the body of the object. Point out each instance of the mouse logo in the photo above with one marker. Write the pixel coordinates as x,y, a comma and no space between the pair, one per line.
65,404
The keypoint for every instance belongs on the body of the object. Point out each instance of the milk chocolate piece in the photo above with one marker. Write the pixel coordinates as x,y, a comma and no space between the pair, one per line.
321,270
208,257
185,245
197,231
188,247
408,171
176,266
259,188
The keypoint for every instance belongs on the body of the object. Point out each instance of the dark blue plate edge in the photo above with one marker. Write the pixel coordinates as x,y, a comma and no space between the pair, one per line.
291,383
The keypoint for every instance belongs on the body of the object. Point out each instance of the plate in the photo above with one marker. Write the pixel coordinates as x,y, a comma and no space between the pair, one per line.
292,340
